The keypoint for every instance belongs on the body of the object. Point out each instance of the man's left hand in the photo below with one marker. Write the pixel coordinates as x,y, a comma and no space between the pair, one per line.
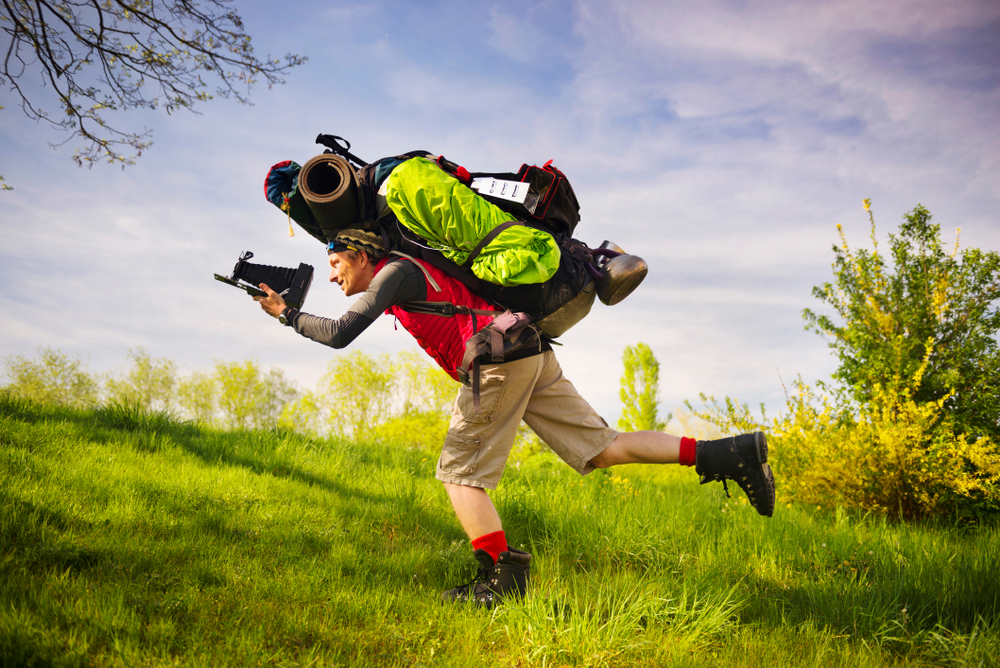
272,304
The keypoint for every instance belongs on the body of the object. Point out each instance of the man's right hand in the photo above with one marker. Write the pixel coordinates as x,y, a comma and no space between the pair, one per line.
272,304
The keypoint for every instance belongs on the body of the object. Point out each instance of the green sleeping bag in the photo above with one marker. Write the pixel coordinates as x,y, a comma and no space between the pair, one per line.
453,219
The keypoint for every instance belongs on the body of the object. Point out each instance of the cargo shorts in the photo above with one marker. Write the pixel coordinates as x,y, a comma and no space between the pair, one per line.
534,389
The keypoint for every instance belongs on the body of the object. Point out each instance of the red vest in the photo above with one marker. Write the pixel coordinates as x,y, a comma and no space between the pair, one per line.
442,337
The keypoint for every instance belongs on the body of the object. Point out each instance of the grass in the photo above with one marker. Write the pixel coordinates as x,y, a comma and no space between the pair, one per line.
129,539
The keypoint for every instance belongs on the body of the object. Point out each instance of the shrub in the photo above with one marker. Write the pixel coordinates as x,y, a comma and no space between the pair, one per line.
909,428
54,378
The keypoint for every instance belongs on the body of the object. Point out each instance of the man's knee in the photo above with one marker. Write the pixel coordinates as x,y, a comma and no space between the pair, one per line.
603,459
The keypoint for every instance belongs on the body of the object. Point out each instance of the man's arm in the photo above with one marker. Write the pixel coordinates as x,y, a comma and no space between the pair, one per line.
398,282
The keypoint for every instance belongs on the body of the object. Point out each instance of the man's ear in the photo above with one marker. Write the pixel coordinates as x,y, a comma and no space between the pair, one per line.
365,260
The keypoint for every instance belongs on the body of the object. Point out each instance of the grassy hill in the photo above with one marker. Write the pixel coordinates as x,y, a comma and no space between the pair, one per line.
127,539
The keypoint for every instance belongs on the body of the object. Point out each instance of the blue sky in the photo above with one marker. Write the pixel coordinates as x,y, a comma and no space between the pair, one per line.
723,141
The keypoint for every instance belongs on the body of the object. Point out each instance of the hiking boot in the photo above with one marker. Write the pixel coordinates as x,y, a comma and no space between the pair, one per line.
507,578
741,458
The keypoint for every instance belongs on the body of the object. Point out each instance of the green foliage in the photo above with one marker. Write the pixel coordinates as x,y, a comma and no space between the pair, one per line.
930,304
894,456
53,378
248,397
640,390
150,384
910,430
357,391
421,385
132,416
100,57
196,395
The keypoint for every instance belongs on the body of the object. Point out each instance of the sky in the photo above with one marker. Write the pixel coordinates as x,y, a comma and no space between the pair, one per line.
722,141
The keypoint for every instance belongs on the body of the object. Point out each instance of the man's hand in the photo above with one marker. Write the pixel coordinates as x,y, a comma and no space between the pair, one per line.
272,304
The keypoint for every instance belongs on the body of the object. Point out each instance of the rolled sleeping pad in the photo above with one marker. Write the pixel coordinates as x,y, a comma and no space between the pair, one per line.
329,187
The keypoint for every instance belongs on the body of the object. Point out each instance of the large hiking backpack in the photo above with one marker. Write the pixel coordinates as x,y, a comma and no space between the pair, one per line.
557,289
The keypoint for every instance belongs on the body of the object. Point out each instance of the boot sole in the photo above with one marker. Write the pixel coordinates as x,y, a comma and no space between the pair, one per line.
760,441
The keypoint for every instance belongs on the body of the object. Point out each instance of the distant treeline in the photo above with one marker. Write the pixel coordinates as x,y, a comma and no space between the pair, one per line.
908,426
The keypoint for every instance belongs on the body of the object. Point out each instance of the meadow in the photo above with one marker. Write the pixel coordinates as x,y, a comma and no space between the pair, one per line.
128,538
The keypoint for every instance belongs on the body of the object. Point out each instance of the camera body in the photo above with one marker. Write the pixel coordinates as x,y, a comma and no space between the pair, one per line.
292,284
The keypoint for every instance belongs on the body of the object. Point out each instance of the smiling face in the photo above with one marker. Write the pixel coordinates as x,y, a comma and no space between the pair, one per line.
352,271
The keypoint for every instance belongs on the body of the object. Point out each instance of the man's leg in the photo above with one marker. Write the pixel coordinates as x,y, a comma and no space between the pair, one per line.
568,424
640,447
504,571
474,509
472,460
742,459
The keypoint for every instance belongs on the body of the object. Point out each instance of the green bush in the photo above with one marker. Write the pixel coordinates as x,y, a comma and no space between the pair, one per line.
54,379
930,308
909,426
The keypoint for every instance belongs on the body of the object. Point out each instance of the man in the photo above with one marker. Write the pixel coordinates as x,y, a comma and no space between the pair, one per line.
529,386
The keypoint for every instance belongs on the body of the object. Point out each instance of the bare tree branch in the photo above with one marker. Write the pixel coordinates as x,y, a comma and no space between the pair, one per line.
102,56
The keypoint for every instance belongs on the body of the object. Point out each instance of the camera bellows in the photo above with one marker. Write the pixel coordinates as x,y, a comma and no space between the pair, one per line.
292,284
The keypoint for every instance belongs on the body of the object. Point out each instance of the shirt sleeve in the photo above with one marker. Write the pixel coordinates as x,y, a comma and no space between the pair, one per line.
399,281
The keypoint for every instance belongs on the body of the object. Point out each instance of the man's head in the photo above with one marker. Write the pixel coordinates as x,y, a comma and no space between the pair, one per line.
353,255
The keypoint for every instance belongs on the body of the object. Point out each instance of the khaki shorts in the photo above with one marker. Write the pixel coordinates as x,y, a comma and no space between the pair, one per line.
533,389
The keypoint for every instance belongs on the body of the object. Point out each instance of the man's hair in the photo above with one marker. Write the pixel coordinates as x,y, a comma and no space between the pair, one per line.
357,239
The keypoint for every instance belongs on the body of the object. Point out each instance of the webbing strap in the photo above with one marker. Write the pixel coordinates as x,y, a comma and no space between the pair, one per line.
444,309
422,268
485,241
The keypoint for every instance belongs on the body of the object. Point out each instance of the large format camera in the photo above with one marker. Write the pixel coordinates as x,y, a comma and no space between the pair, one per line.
291,284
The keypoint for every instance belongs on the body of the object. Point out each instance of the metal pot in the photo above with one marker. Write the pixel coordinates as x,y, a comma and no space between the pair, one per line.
620,275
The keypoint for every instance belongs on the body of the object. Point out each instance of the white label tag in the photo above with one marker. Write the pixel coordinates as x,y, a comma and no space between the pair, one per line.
514,191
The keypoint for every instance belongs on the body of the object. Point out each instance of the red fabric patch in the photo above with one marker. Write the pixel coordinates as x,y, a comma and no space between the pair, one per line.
687,453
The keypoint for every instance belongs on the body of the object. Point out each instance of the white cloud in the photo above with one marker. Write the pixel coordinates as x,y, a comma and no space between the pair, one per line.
722,144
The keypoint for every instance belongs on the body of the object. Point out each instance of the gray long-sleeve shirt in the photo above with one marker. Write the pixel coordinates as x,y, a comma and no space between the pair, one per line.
397,282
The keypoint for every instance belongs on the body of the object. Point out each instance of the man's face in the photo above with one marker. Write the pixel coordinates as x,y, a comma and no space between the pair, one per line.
352,274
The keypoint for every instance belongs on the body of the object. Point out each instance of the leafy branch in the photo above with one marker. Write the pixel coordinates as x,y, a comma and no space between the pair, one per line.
98,56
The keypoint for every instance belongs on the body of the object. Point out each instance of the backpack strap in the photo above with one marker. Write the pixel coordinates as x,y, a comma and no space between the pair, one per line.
333,145
508,333
485,241
427,274
446,309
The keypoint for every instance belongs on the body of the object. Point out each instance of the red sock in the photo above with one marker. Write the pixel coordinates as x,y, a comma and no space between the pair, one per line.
686,457
494,543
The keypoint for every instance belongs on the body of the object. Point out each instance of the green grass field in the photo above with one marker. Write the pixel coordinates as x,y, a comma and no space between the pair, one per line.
127,539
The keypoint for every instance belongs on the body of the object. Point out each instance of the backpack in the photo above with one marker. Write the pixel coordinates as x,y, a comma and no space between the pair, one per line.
546,203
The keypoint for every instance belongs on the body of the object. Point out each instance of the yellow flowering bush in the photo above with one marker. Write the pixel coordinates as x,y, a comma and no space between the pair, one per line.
913,425
893,455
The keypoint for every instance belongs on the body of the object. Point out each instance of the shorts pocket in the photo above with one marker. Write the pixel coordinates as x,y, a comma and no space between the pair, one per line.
460,454
492,386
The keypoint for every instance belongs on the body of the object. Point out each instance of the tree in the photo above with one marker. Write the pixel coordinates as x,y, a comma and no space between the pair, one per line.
423,395
249,398
151,384
358,390
197,396
640,390
100,56
931,305
421,386
53,379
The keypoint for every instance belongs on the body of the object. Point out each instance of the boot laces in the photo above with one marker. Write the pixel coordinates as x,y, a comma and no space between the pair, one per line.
705,479
469,587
